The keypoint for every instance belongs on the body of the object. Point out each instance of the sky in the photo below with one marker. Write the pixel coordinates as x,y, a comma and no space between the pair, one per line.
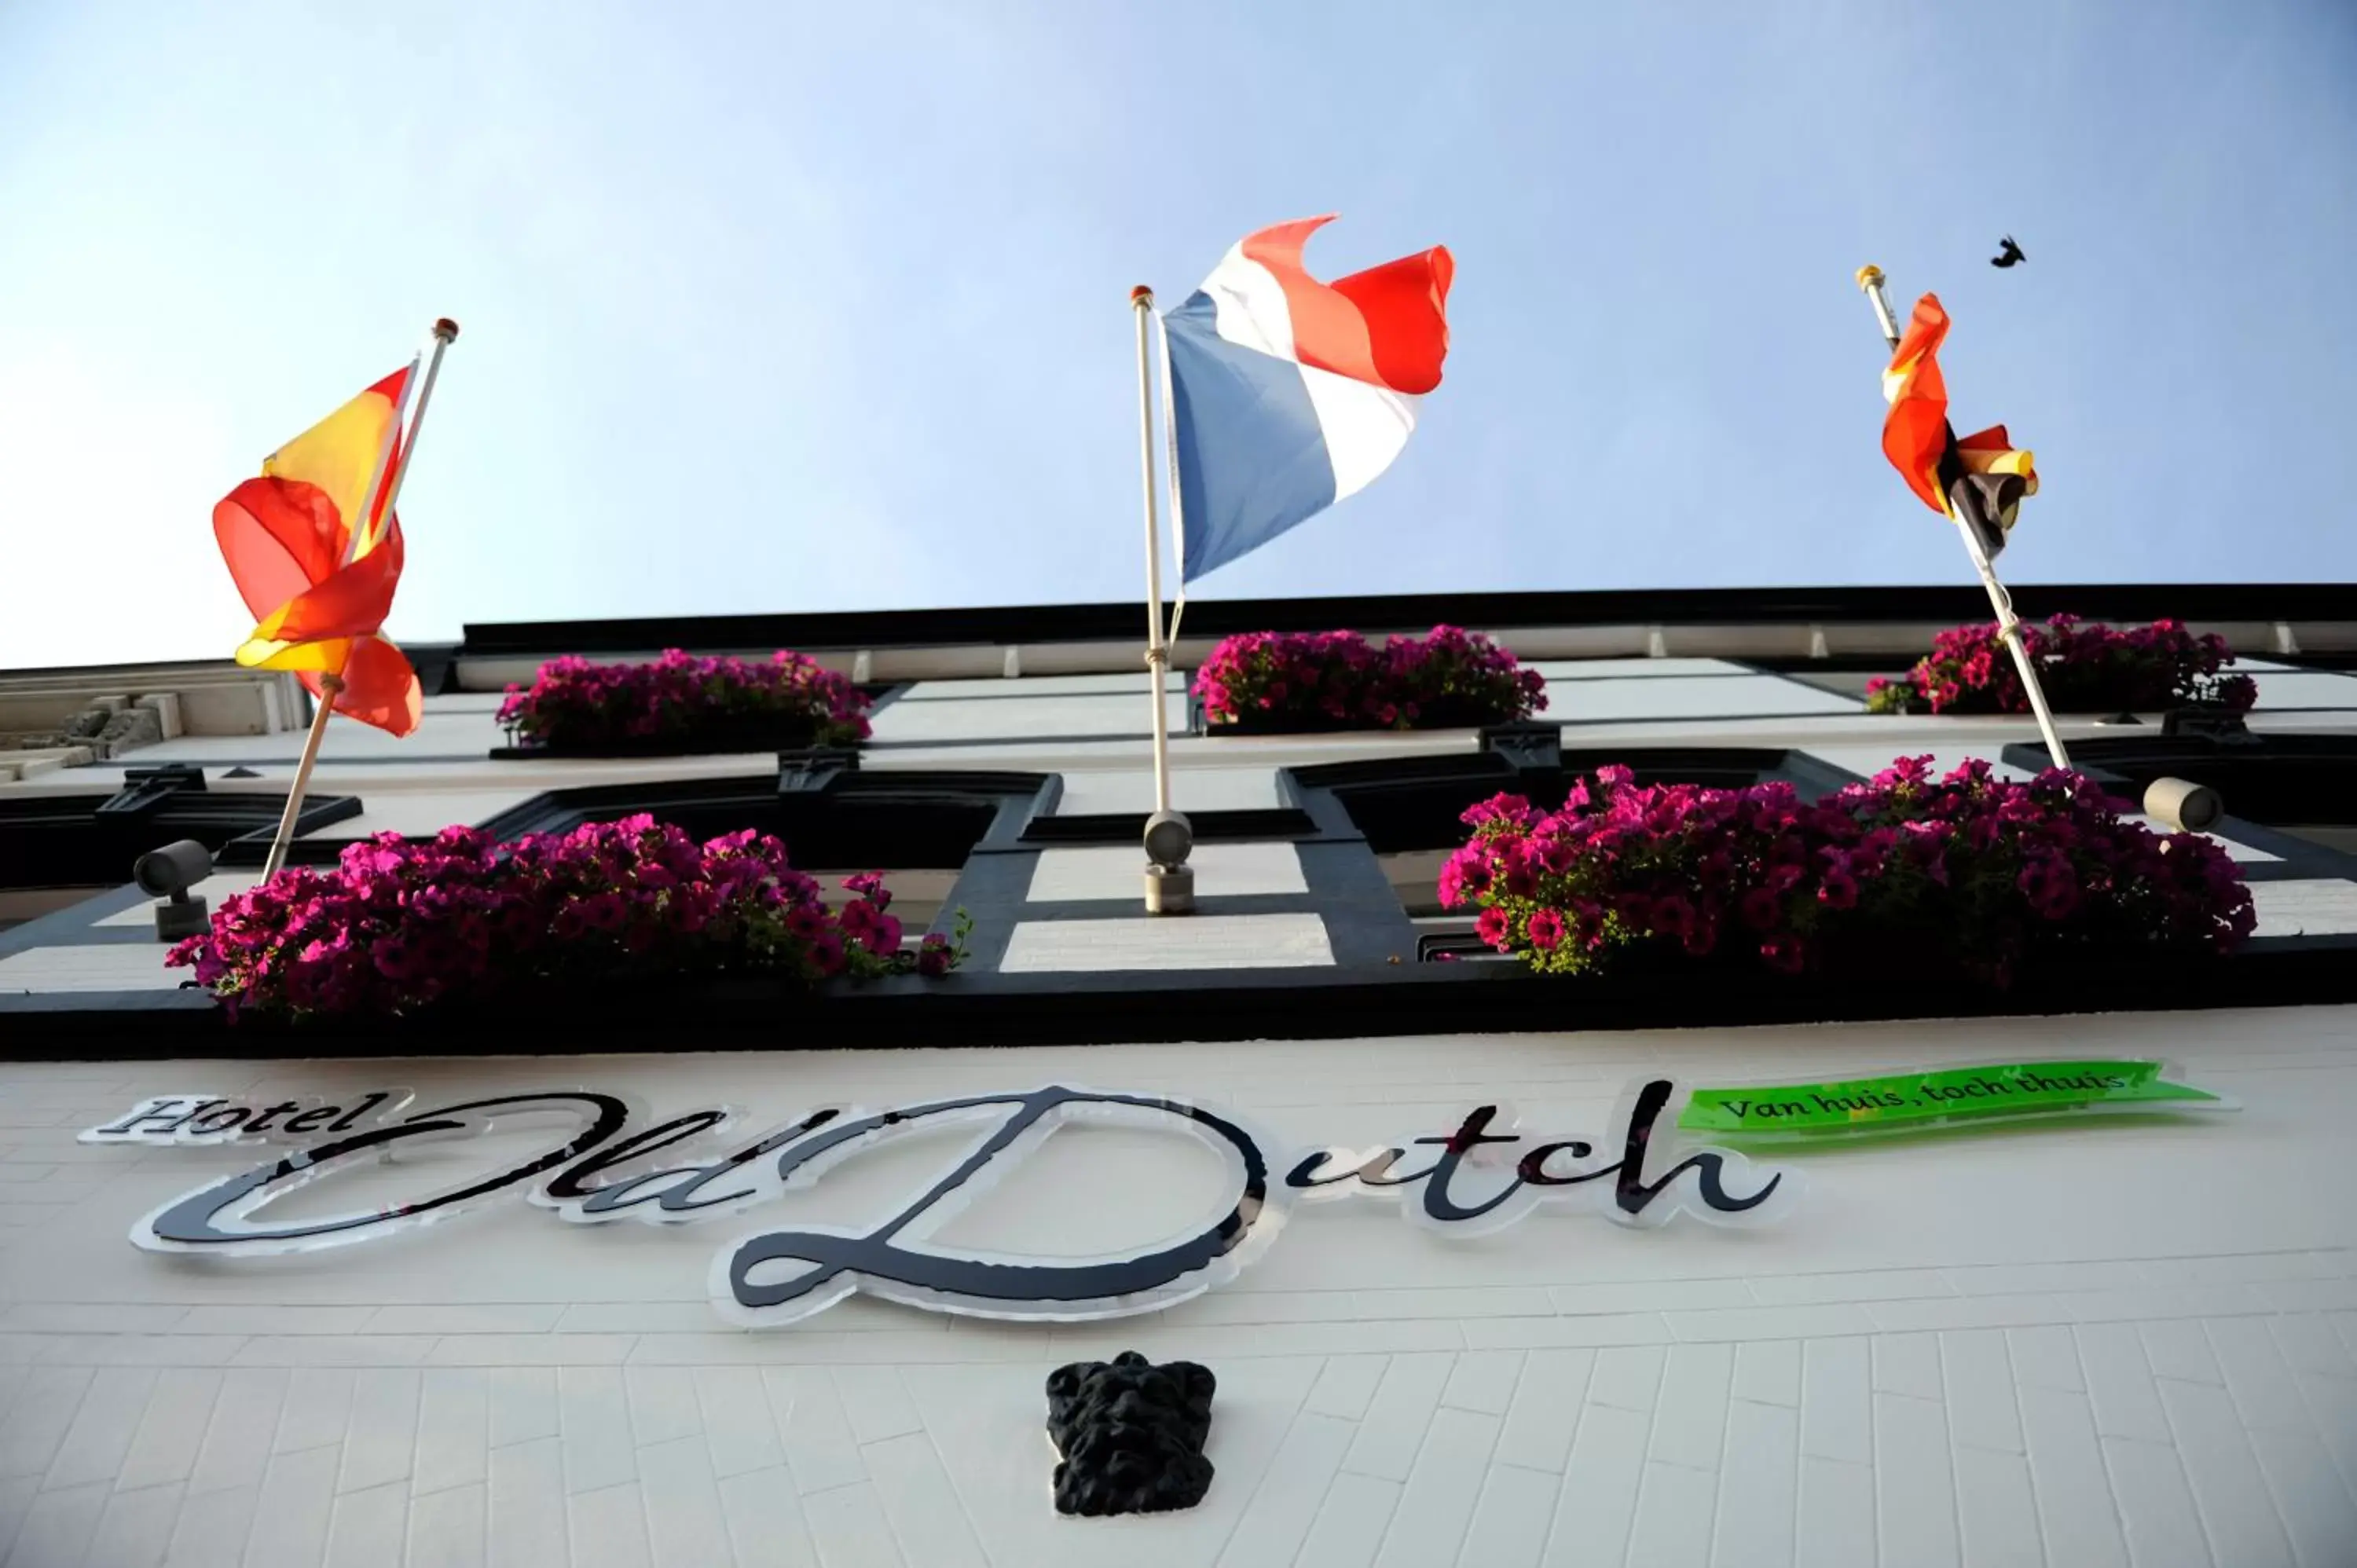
778,306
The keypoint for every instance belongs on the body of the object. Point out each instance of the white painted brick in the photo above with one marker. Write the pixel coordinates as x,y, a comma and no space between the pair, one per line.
1759,1486
1437,1504
2048,1279
527,1520
383,1437
1914,1481
1836,1513
1907,1364
1599,1488
1997,1515
1483,1380
1674,1513
2263,1386
685,1527
1351,1525
876,1403
446,1529
1545,1410
1510,1520
299,1499
1537,1333
2313,1497
1968,1312
212,1528
2045,1357
2180,1350
1222,870
523,1404
814,1430
236,1442
1396,1418
172,1429
1978,1377
2224,1473
1690,1419
1837,1415
94,1445
2066,1467
1740,1323
765,1519
1346,1385
1199,942
2156,1506
59,1526
1628,1377
452,1429
596,1424
1769,1371
1650,1296
39,1419
136,1528
2310,1346
2120,1383
1884,1285
737,1422
610,1527
318,1409
370,1528
849,1527
1285,1502
662,1404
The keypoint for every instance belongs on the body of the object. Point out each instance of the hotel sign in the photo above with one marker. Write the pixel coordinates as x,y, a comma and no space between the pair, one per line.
1480,1177
612,1163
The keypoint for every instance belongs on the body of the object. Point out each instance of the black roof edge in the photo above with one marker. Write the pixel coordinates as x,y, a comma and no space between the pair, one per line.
1219,617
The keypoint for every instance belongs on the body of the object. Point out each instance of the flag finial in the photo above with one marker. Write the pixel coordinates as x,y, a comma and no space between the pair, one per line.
1868,275
1141,293
446,329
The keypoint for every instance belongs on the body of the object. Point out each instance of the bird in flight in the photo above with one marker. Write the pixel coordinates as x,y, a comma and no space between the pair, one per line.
2009,256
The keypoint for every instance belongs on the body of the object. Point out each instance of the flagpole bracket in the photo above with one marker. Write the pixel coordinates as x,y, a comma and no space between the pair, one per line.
1169,880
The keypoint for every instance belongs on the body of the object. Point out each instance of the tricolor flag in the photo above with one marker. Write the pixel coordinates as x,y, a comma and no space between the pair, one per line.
1928,455
319,576
1286,393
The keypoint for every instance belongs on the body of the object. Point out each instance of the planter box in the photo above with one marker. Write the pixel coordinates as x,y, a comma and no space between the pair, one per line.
710,740
1255,721
980,1008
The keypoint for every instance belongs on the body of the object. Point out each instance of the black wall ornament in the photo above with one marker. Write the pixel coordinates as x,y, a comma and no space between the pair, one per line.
1131,1435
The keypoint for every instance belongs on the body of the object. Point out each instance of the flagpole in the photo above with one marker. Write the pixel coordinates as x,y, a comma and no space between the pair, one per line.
1170,885
1962,501
445,332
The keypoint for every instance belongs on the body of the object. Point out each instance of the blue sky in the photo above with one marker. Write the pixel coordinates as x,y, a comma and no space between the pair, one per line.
786,307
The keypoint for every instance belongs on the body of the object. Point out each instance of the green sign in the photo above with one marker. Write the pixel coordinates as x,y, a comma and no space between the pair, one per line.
1912,1101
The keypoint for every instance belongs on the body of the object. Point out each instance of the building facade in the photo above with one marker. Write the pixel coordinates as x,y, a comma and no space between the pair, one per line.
560,1309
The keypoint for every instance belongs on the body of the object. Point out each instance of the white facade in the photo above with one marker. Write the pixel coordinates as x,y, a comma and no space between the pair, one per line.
2127,1341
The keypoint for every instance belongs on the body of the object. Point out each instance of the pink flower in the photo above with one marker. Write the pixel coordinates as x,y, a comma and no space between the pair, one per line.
1545,929
1492,927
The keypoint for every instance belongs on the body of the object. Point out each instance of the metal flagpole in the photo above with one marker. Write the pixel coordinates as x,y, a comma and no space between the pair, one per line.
445,331
1170,885
1964,508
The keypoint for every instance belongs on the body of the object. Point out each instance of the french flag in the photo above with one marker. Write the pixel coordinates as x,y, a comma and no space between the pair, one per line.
1285,394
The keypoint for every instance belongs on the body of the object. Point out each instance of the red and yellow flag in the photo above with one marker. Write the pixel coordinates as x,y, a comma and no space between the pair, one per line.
1918,441
319,576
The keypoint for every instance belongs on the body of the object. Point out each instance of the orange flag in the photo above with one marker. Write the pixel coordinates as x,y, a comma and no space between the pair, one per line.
1928,453
319,576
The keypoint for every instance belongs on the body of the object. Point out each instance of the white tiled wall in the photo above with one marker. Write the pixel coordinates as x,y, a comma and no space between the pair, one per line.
2132,1344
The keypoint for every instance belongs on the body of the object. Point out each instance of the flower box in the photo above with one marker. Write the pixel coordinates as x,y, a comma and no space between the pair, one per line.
1965,878
1313,682
680,704
2082,670
403,927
